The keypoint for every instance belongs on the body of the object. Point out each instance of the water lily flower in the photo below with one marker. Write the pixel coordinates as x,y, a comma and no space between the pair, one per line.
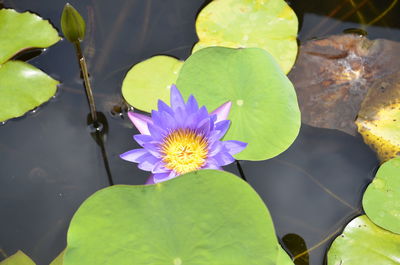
182,138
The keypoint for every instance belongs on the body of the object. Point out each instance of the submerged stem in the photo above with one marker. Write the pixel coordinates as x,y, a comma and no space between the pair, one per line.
239,167
88,87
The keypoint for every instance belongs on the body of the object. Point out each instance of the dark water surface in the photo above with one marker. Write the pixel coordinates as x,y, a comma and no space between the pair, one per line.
50,163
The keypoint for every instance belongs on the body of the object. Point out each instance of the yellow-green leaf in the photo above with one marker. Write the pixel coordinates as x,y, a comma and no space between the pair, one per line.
149,81
20,31
204,217
381,200
362,242
22,88
268,24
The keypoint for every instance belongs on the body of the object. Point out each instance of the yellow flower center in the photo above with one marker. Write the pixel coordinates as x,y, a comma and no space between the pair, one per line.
184,151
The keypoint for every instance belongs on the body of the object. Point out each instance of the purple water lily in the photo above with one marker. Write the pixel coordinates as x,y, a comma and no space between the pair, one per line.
182,138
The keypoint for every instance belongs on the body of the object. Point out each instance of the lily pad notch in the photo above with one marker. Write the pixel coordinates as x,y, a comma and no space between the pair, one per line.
23,87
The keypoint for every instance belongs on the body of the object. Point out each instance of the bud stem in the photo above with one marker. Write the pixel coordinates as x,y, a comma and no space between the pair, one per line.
88,87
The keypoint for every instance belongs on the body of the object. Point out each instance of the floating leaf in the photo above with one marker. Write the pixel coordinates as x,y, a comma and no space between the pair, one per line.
264,110
20,31
203,217
22,88
332,76
381,200
379,118
18,258
271,25
362,242
72,24
149,81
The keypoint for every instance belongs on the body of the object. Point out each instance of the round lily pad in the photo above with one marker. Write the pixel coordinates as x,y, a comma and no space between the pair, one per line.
203,217
264,112
270,24
22,88
381,200
149,81
21,31
362,242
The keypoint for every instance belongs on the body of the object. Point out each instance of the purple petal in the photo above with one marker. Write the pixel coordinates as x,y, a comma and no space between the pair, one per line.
160,177
148,163
204,127
219,130
234,147
150,180
160,168
140,121
211,164
176,98
191,105
153,148
191,121
134,155
180,117
167,122
142,139
156,132
222,111
224,158
203,113
163,107
215,148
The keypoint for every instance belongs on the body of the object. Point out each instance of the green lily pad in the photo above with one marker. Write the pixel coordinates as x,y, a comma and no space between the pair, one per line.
150,80
204,217
19,258
22,88
20,31
268,24
362,242
381,200
264,112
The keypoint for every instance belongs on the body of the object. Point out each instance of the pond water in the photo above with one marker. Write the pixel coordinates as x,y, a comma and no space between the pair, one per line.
50,163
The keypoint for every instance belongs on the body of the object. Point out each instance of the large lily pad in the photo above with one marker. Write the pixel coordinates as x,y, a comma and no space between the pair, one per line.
362,242
264,112
333,75
381,200
20,31
149,81
268,24
19,258
379,118
204,217
22,88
